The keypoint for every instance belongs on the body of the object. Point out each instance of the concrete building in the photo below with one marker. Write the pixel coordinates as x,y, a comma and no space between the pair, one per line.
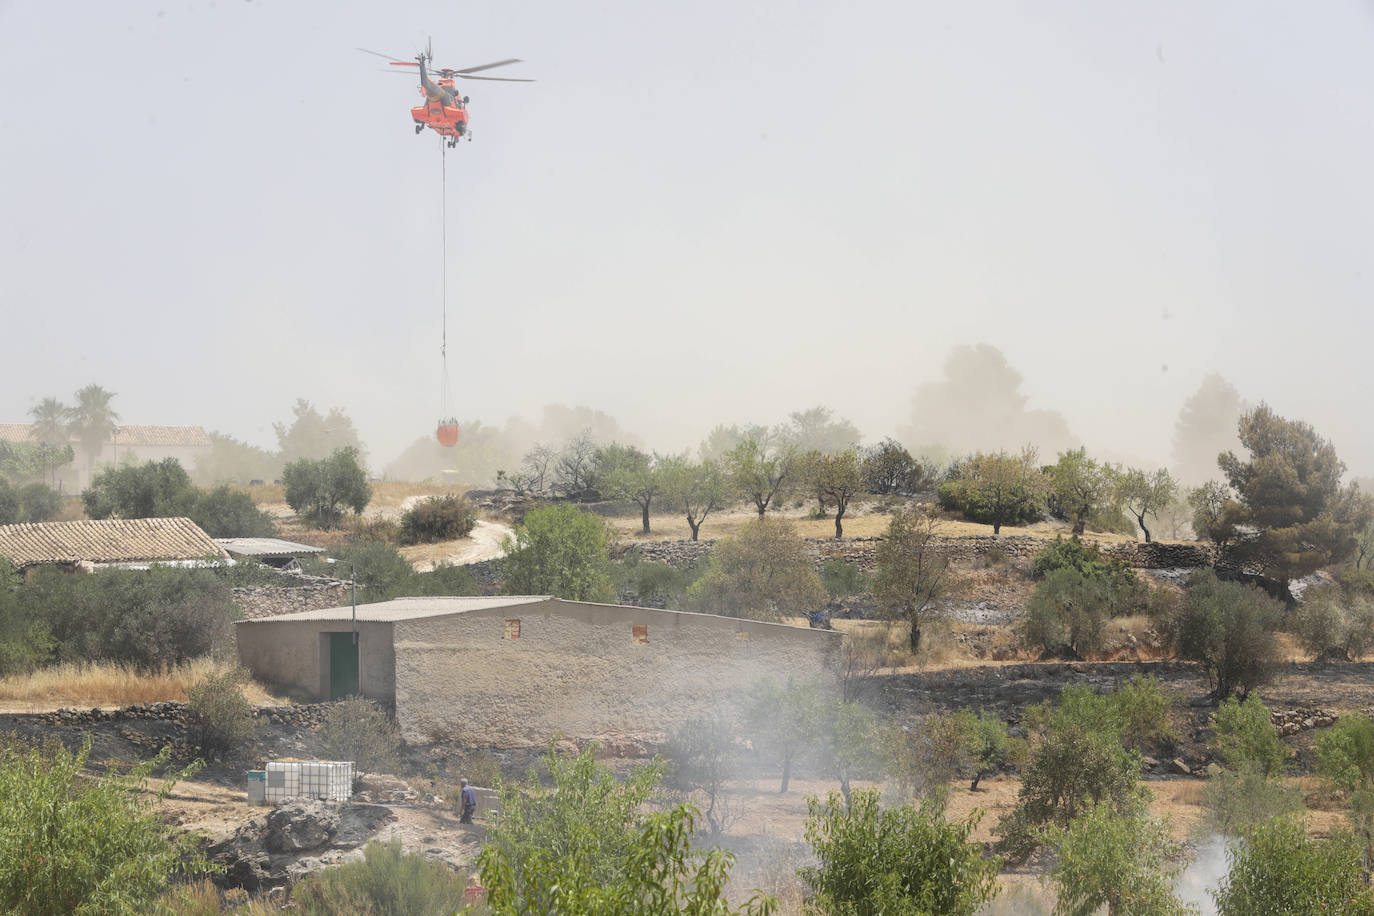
130,543
518,670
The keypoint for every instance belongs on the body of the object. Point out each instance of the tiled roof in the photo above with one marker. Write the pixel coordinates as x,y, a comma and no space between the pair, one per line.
131,436
266,547
116,540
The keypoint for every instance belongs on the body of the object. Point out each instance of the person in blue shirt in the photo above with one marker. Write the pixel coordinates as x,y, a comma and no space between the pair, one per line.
469,798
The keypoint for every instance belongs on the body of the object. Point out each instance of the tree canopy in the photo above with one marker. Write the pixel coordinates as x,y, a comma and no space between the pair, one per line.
1291,497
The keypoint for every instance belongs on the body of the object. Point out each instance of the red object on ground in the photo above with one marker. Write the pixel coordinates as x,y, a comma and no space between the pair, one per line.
447,435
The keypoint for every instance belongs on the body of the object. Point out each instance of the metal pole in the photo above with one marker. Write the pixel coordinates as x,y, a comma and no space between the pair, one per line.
353,582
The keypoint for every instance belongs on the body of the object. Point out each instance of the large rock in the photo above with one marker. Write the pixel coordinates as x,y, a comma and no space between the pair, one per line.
302,825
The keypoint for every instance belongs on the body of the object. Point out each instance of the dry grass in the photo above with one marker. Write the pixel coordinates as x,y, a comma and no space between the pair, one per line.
107,684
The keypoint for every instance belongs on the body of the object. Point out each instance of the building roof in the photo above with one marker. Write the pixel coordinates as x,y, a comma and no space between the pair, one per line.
131,436
115,540
400,609
406,609
272,548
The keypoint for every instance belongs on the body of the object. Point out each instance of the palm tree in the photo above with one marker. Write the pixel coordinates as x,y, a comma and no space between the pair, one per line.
93,422
51,419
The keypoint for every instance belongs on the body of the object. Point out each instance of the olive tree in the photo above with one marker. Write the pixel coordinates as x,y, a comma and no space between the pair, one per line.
694,489
1145,493
320,490
912,570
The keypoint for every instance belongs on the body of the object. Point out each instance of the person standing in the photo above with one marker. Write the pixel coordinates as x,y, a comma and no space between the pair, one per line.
469,801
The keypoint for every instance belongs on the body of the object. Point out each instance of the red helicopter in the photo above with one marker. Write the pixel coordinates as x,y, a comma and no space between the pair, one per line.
444,110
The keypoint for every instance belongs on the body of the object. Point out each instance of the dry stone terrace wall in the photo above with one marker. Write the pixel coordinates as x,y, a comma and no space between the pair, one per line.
862,551
301,594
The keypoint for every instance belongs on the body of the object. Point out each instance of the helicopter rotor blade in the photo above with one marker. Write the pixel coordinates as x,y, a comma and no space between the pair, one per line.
403,63
499,63
380,54
494,79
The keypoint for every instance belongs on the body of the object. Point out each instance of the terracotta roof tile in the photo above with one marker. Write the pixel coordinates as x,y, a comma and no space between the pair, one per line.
116,540
131,436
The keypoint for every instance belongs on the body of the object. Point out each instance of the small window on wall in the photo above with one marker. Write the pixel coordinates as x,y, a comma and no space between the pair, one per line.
512,629
639,632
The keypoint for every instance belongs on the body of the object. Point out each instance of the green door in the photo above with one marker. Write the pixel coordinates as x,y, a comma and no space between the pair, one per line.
343,666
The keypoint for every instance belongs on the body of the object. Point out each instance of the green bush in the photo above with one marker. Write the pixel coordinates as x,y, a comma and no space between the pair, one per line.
71,842
439,518
1246,739
559,550
652,583
320,491
1345,753
1277,869
145,618
1143,709
224,513
1236,802
359,730
1230,629
1076,760
219,718
581,844
387,882
1329,619
1067,610
1124,861
38,502
901,860
841,578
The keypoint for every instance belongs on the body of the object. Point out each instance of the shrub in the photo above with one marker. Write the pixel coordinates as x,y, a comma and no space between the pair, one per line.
1278,869
225,513
841,578
446,579
1123,861
1327,619
1072,766
378,568
559,550
959,744
902,860
1229,629
1246,740
583,844
359,730
38,502
439,518
651,583
146,618
387,882
71,842
1235,802
1345,753
762,573
1067,610
320,490
220,719
1144,713
704,753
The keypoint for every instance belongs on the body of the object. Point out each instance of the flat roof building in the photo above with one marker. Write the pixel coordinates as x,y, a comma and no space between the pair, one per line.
518,670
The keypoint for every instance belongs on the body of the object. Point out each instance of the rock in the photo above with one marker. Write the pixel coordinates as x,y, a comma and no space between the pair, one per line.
1213,770
301,825
1181,767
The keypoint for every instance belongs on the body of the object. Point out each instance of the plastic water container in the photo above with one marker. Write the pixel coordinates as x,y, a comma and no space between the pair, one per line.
257,787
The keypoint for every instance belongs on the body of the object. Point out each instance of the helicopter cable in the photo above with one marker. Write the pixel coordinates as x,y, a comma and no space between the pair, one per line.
443,210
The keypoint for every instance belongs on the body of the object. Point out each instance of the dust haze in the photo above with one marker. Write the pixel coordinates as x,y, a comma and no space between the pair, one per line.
961,227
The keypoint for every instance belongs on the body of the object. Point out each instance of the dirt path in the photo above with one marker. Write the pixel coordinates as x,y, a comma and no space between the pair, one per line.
484,543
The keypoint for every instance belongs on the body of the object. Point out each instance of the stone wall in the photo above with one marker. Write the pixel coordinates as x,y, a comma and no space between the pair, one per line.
862,551
582,672
296,593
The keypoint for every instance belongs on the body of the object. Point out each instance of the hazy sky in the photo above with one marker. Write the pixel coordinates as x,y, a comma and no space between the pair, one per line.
715,211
